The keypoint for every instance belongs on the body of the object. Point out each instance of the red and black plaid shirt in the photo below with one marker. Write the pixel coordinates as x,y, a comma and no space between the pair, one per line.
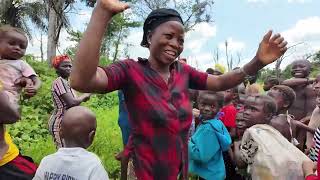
159,113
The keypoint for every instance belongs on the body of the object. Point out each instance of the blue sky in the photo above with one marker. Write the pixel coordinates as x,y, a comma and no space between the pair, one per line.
241,22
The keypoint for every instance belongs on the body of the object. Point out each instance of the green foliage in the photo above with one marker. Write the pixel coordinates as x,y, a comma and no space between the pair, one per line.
31,133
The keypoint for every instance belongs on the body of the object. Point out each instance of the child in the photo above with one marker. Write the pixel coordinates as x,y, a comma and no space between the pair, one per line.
229,110
74,161
315,117
14,72
284,97
314,144
269,83
304,104
205,159
263,149
12,164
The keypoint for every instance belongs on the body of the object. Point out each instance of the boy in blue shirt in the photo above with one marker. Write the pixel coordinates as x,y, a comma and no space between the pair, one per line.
210,139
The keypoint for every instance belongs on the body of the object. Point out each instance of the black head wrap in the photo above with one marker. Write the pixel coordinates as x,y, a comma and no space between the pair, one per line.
157,17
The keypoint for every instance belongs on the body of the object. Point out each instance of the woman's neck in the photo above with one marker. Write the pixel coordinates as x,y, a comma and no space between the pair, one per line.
159,67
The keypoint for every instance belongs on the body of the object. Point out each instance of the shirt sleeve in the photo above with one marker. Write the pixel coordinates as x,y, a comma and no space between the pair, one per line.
197,79
27,70
99,172
61,87
199,148
248,150
117,74
39,173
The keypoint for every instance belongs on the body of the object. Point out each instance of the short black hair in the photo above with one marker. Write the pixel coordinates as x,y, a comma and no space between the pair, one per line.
210,71
218,96
269,105
273,80
288,93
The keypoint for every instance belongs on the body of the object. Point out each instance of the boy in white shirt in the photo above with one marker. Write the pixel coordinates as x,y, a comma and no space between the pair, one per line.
74,162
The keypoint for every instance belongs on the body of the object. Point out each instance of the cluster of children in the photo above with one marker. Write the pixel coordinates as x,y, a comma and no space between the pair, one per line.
240,132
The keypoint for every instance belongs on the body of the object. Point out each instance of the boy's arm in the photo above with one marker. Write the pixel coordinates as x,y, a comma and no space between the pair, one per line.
85,75
200,149
297,82
300,125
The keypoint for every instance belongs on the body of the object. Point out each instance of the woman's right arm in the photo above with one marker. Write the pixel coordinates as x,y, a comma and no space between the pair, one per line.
86,76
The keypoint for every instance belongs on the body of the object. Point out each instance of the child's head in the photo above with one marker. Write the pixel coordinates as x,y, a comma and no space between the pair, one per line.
210,71
78,127
316,84
250,79
252,89
63,65
209,104
284,96
258,109
231,95
270,82
300,68
241,125
13,43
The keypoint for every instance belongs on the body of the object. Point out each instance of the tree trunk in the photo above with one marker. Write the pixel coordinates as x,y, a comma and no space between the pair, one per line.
116,52
41,47
52,26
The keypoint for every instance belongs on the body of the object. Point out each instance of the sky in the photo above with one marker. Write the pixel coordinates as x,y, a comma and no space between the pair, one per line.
242,23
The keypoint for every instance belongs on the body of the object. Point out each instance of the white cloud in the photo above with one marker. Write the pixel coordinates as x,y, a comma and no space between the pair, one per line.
199,37
233,45
256,1
289,1
305,31
299,1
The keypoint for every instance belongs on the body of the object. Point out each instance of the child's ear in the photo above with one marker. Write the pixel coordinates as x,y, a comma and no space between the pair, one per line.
286,105
91,136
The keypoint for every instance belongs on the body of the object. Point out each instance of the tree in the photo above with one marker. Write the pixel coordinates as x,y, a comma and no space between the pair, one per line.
57,19
18,13
316,57
193,12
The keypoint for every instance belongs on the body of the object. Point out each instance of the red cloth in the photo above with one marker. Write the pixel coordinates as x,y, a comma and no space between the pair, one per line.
315,177
58,59
160,115
24,165
229,115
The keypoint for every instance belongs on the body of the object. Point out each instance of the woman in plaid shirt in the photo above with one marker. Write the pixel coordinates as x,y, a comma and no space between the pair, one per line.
156,88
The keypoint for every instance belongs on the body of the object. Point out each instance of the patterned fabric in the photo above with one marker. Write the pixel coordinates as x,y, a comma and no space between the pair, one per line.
160,115
314,151
248,150
59,87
